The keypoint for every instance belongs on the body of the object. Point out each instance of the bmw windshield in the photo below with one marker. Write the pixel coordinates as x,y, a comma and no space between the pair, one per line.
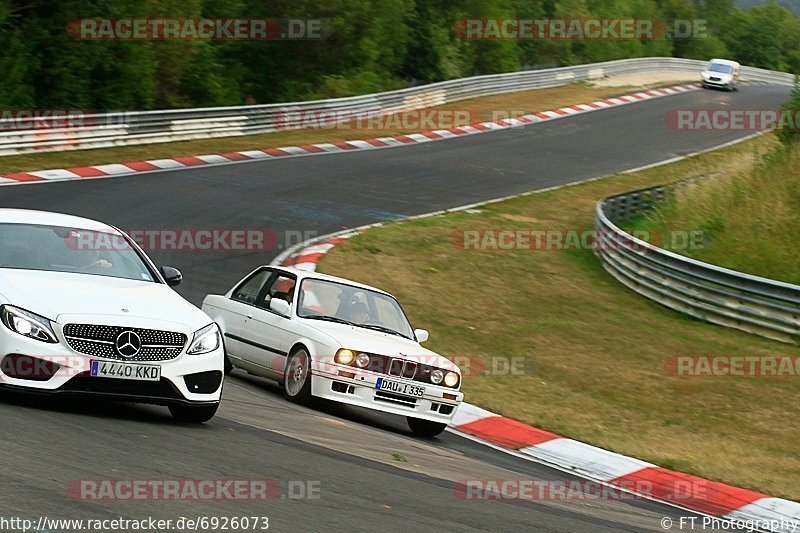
357,306
79,251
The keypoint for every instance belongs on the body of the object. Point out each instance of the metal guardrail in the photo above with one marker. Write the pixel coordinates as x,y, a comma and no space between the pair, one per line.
725,297
145,127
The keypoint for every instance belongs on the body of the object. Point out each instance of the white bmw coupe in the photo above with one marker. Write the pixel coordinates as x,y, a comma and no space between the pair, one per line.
85,311
331,338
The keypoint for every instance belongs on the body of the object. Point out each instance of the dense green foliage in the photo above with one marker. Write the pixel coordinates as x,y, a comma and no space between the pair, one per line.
787,129
374,45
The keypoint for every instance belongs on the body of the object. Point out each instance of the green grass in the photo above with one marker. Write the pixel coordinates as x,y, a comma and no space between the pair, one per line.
594,351
749,220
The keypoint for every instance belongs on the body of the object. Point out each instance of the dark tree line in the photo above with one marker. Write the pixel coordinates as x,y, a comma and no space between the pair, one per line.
374,45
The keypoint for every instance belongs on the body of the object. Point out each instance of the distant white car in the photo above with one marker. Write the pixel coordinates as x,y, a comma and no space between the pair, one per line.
721,73
332,338
84,311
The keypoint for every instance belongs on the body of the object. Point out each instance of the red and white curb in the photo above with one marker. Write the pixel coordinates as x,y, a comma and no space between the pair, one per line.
134,167
744,507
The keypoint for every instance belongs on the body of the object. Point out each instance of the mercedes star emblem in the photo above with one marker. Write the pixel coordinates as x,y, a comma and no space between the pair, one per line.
128,344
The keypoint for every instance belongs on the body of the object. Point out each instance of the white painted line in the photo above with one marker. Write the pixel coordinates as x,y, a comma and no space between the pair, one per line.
445,134
329,147
419,137
114,169
255,154
391,141
57,174
468,413
493,125
318,249
786,513
362,145
165,163
294,150
213,159
310,267
469,130
594,462
551,114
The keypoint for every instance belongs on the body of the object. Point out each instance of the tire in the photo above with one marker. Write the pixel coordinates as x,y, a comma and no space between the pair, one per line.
425,428
193,414
297,377
228,365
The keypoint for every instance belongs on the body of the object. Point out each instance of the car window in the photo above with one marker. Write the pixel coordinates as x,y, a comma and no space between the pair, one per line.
281,287
361,307
718,67
248,291
388,314
76,251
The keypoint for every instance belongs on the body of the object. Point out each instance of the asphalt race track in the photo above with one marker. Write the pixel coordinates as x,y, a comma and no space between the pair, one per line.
370,472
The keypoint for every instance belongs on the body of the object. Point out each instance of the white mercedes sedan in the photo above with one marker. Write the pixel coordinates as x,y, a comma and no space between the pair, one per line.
335,339
84,311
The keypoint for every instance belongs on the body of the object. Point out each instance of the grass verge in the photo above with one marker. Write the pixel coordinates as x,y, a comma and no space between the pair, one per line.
750,219
594,351
490,107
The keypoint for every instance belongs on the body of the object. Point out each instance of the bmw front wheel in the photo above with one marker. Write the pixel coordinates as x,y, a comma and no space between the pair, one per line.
297,377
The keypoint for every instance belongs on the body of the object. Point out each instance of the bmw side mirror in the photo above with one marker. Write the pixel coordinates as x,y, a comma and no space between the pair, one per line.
421,334
282,307
171,275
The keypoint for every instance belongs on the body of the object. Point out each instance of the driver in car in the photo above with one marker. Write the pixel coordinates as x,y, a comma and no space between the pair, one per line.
359,313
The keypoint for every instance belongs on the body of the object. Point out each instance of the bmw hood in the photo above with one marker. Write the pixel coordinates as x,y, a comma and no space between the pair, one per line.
377,342
63,296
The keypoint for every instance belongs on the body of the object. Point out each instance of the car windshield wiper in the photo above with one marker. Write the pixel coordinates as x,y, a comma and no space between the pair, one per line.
384,329
329,319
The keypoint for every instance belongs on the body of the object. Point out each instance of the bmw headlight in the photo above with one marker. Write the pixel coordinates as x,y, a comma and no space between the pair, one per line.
362,361
28,324
451,379
437,376
344,357
205,340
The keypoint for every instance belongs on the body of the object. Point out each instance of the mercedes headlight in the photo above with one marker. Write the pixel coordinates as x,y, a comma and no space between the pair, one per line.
205,340
28,324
